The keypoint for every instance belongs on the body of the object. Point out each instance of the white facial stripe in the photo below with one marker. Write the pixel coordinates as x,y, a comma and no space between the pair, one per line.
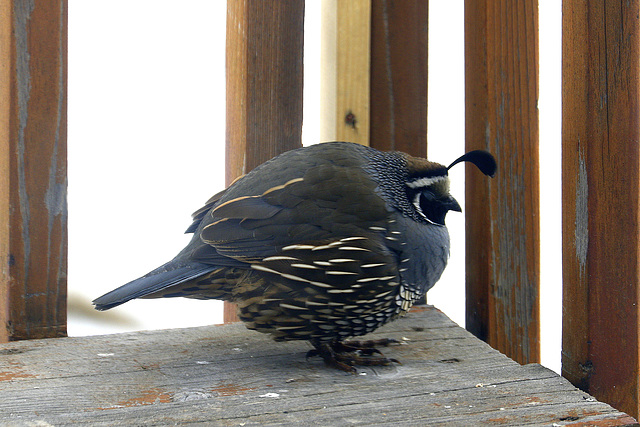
425,182
416,204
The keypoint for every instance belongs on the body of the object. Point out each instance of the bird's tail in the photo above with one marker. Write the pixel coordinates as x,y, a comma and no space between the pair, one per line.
167,275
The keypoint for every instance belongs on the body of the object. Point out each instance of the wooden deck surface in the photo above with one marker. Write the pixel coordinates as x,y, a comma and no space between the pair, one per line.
228,375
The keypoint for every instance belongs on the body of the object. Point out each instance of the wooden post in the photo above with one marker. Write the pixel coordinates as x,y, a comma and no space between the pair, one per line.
264,85
346,31
601,173
399,74
501,50
375,73
33,178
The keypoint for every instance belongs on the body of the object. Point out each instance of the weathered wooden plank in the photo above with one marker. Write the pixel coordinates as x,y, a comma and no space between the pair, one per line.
264,85
6,38
346,41
33,179
228,375
601,172
399,74
501,51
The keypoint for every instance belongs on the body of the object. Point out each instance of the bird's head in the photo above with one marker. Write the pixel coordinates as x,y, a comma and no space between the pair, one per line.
427,186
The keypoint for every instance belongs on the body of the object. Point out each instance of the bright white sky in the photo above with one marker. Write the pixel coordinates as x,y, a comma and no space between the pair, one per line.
146,149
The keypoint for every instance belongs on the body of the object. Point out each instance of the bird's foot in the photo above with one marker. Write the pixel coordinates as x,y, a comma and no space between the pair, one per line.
344,355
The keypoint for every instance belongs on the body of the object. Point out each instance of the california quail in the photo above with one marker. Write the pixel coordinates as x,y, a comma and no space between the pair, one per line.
321,243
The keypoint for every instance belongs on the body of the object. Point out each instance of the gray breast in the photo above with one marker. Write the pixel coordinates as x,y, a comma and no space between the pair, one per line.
424,254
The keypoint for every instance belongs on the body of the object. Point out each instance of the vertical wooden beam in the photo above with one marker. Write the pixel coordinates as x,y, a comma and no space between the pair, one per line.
501,51
264,85
601,186
6,69
33,179
346,39
375,73
399,75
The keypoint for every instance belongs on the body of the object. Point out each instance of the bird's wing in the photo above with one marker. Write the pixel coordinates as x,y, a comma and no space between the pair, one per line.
326,213
326,203
327,229
198,215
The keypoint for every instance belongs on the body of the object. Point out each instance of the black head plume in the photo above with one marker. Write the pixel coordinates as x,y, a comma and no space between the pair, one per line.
482,159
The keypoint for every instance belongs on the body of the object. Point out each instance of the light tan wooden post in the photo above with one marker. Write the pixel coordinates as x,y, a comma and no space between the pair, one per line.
346,41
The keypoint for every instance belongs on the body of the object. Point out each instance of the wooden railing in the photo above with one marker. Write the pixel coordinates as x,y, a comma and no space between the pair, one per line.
33,169
264,82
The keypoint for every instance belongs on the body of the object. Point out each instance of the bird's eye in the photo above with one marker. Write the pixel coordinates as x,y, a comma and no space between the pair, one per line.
430,207
433,207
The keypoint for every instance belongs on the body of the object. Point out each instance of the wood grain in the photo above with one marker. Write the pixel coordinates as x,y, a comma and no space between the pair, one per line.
346,62
501,51
6,41
33,183
399,75
601,173
375,74
228,375
264,85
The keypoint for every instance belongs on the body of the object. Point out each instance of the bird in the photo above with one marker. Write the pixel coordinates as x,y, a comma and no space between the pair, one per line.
323,243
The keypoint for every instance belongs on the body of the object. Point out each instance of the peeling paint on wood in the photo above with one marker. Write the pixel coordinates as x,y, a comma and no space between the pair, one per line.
582,215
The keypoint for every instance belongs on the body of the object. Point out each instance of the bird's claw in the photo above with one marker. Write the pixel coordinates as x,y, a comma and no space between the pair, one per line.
344,355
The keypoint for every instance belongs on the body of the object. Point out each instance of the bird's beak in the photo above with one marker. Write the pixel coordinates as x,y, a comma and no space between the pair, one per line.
452,204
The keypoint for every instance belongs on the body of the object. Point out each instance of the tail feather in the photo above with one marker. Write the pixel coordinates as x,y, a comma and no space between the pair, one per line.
169,274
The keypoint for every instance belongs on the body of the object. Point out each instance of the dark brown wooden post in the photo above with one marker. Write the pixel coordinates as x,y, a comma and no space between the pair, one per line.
399,73
264,85
33,169
601,173
501,51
